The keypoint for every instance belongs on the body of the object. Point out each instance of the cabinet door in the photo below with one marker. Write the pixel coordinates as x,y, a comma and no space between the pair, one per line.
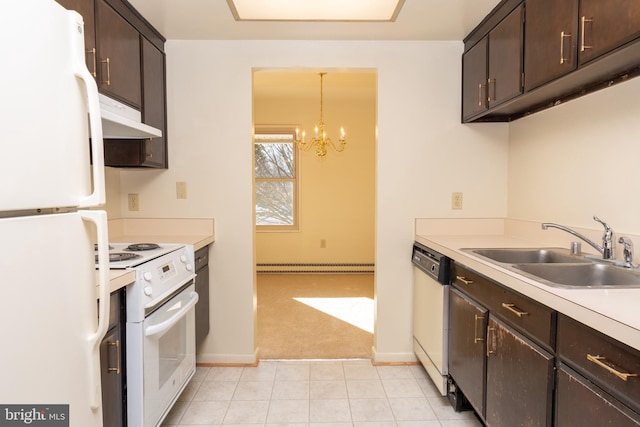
474,80
519,379
605,25
118,47
580,403
550,40
111,361
467,325
86,8
202,307
505,59
154,104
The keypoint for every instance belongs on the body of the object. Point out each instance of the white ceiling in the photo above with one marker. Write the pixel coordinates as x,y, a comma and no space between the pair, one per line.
212,20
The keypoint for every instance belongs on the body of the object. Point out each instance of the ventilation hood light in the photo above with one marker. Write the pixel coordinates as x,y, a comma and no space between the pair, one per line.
120,121
306,10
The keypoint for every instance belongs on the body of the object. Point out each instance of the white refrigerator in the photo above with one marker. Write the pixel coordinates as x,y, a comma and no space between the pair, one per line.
50,323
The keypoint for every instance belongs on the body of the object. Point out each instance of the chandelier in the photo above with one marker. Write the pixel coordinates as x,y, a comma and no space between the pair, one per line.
320,140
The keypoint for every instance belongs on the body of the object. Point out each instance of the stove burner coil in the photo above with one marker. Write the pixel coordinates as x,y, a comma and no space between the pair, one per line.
120,256
142,247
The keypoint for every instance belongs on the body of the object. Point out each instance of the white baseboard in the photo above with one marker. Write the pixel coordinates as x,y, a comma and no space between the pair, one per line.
227,359
378,357
314,268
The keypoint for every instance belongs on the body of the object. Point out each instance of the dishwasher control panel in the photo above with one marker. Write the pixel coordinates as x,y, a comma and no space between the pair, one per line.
431,262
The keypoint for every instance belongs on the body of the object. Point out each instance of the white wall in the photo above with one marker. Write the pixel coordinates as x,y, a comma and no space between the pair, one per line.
579,159
423,154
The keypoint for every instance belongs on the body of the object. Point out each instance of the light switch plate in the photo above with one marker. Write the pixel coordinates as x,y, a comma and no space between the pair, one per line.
181,190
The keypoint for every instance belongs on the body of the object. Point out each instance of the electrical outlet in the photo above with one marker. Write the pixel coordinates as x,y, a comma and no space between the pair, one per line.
456,200
134,202
181,190
323,243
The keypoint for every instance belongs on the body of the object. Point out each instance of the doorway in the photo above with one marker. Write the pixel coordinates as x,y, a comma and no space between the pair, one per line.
333,238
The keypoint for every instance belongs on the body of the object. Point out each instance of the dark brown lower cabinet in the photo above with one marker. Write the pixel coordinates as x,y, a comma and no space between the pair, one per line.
202,288
467,362
112,366
581,403
519,379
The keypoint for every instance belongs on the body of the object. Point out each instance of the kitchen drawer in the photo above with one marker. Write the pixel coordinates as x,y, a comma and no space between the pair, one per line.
202,257
474,285
535,320
600,359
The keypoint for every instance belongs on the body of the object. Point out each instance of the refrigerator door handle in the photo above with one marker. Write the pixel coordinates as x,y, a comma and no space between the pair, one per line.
97,197
99,218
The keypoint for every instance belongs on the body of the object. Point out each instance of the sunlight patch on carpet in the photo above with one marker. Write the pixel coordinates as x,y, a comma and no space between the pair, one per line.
357,311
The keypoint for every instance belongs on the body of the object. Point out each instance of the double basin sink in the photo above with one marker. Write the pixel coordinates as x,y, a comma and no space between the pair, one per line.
559,268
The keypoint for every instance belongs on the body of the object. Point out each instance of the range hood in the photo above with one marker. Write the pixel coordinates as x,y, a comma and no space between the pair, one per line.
119,121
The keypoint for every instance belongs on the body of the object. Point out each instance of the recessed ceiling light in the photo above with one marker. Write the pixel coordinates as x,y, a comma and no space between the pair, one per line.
315,10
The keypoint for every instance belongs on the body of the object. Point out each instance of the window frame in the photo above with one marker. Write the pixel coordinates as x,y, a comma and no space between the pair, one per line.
278,130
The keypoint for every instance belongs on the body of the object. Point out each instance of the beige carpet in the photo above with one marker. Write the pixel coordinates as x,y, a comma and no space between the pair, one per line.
315,316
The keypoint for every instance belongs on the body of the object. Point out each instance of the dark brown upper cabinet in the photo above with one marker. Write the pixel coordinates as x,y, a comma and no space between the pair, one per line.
126,56
571,48
505,59
551,41
492,68
145,152
474,80
605,25
118,48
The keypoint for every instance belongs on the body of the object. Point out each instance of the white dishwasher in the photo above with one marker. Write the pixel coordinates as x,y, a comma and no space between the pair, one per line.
431,312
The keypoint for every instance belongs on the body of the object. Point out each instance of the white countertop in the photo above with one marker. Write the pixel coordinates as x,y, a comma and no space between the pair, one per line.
198,241
615,312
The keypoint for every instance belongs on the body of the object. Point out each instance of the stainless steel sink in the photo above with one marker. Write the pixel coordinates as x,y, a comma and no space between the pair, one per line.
592,275
558,267
529,255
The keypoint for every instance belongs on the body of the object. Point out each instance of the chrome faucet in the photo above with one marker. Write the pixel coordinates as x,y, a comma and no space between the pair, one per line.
607,250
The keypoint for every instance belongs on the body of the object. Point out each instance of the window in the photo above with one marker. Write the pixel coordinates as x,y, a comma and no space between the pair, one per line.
276,183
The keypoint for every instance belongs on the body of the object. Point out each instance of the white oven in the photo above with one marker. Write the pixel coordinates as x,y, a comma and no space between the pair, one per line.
160,340
164,361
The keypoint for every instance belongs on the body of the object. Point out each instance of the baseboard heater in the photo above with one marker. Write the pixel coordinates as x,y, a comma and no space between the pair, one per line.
314,268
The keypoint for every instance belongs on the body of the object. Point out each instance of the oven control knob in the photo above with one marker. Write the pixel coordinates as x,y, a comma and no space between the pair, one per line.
183,258
189,267
147,276
148,290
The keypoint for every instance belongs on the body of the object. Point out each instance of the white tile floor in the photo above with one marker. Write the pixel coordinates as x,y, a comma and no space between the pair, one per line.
315,394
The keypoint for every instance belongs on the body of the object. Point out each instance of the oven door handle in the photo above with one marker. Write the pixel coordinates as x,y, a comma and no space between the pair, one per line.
167,324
